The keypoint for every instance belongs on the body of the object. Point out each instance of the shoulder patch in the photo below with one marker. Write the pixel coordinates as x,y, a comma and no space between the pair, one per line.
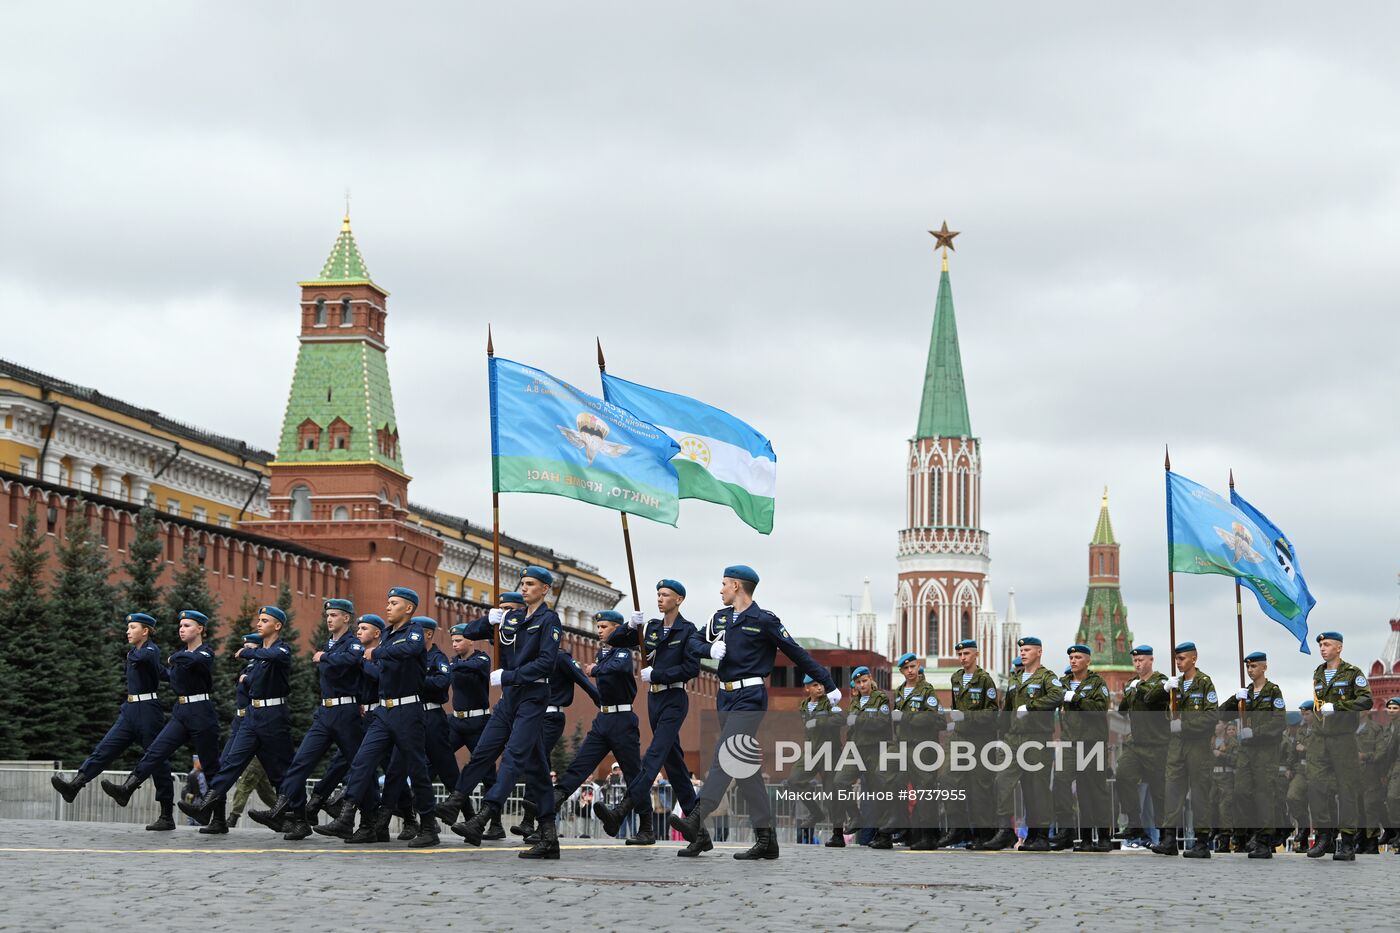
283,649
357,647
556,634
415,636
1278,703
1210,697
1360,680
442,668
1104,689
991,693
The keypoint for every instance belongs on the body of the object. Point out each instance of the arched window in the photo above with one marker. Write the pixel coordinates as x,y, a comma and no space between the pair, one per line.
341,514
301,504
320,312
935,508
932,646
1100,565
966,624
345,312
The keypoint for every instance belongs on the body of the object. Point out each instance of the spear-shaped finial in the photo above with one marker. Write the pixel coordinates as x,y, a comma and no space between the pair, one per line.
602,363
1169,456
1232,477
490,350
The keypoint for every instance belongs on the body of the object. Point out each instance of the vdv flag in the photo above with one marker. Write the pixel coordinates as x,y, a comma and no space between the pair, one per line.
1207,534
548,437
721,458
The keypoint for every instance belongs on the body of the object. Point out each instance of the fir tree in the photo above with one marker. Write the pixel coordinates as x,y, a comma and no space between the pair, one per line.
45,672
140,588
9,733
82,608
227,668
304,691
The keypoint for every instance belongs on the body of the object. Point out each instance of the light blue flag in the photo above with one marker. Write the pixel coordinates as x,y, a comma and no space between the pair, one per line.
548,437
1208,534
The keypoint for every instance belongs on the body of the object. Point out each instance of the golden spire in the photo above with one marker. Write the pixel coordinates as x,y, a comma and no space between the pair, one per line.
345,224
1105,497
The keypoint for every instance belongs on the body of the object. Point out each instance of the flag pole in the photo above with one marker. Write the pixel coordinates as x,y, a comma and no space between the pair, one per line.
1171,585
1239,612
495,523
626,533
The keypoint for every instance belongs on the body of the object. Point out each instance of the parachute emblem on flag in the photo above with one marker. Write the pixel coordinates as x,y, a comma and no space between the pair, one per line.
1238,540
591,437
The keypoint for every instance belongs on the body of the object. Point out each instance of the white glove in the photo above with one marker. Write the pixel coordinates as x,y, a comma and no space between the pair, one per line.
1328,709
1021,712
833,697
1176,725
496,616
496,677
1131,684
638,619
1242,693
1246,733
851,719
717,650
646,675
1071,693
1172,682
957,715
952,727
811,724
897,715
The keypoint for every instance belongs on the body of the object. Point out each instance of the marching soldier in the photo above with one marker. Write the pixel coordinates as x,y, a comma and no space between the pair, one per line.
918,717
471,705
744,638
1224,749
1341,691
1189,758
1143,759
867,725
671,665
139,721
1298,793
193,720
337,722
1262,713
1368,746
973,718
1389,754
1031,701
821,721
1086,723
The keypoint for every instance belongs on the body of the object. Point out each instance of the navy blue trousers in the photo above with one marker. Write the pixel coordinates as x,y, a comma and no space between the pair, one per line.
666,711
340,727
392,730
616,733
137,724
515,727
265,732
437,748
466,733
192,724
741,713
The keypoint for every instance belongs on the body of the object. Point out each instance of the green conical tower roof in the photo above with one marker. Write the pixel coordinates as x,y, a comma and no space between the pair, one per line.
943,412
345,265
1103,531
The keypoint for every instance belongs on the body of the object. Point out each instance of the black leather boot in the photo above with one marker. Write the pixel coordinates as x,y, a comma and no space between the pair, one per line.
690,825
1103,844
297,826
1320,843
411,826
166,821
611,817
448,809
1005,838
1200,848
951,838
881,840
427,833
274,819
471,830
314,804
1262,845
838,838
644,836
373,822
494,830
218,821
69,789
1037,840
925,840
335,800
1166,842
343,826
526,826
1062,839
201,806
122,792
1346,848
548,846
765,845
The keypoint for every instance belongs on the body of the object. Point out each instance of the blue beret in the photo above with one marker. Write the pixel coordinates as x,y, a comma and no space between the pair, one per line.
403,592
1018,663
609,615
807,679
344,605
741,572
427,622
1256,656
511,597
1082,649
1186,646
372,619
1335,636
142,617
459,629
195,615
1028,640
966,643
1143,649
273,611
858,672
252,638
674,586
540,574
905,659
1306,704
1393,701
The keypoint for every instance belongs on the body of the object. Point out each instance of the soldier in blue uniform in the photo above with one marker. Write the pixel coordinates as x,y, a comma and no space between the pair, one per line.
397,725
330,790
670,666
267,732
744,639
336,723
530,646
140,720
470,670
193,721
614,729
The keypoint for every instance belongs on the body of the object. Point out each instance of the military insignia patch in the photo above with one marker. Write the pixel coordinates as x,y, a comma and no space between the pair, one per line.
1278,703
1211,698
1360,680
556,634
415,636
991,693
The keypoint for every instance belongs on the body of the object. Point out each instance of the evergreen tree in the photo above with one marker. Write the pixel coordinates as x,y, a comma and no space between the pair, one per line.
140,587
83,612
9,733
227,668
45,672
304,691
560,758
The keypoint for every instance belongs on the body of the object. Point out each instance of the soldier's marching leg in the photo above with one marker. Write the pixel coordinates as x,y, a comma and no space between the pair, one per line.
1170,820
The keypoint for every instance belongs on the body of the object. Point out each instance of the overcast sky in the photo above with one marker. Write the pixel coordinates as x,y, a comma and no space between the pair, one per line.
1179,225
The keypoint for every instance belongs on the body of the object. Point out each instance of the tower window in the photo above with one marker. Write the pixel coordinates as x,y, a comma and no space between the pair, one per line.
932,645
320,312
341,514
345,312
301,504
309,435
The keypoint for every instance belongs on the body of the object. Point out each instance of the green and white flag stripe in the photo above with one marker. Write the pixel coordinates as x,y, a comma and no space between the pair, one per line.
721,459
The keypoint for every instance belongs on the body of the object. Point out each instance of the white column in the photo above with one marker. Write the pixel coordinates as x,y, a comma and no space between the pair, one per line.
81,470
112,483
52,468
140,489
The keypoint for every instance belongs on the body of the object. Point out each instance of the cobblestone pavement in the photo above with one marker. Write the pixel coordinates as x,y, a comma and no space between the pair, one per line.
101,876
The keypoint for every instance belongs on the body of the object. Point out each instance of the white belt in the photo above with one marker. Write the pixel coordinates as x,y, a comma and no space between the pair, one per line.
620,708
274,701
399,701
657,688
372,706
432,706
470,713
542,680
340,701
196,698
139,697
554,709
243,712
741,684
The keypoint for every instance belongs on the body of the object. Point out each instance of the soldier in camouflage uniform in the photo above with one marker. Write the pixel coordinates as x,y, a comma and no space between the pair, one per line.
1373,772
1388,751
973,718
1341,691
1225,751
1307,772
1143,758
918,718
1084,722
868,723
1189,757
1029,713
1262,710
821,721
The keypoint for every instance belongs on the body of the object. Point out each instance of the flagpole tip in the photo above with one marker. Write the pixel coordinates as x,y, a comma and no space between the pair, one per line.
1168,449
602,363
1232,477
490,350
